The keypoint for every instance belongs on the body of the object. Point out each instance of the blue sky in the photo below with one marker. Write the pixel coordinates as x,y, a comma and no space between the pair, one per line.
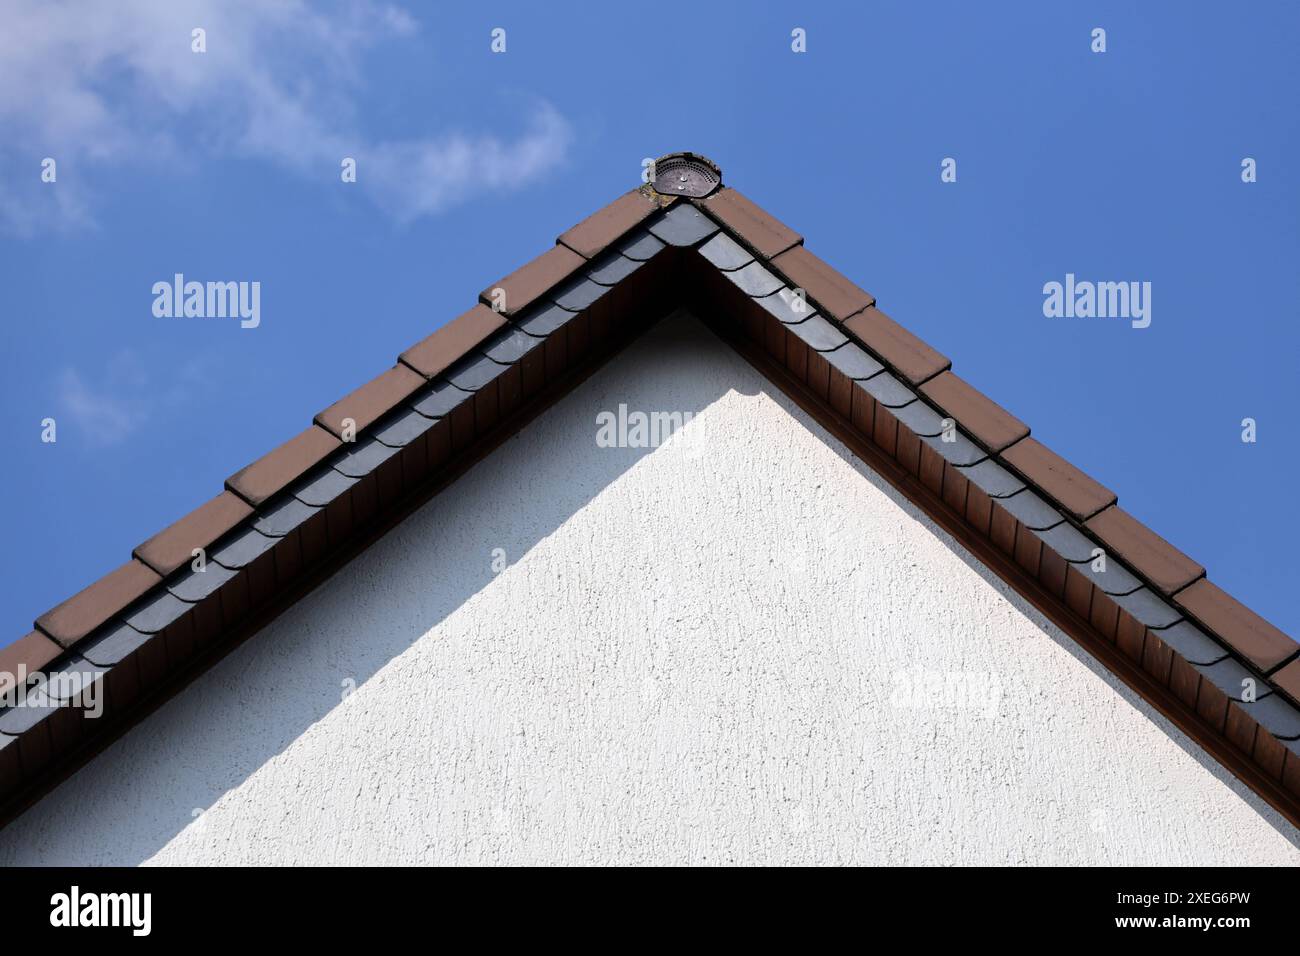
1117,166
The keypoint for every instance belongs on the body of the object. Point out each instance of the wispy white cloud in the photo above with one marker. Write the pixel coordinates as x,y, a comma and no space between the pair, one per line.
110,403
116,83
107,409
413,179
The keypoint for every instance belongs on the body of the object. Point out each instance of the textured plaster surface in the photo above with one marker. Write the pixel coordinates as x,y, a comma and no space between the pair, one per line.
739,647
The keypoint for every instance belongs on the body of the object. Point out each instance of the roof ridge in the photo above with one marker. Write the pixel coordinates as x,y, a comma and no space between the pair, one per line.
531,336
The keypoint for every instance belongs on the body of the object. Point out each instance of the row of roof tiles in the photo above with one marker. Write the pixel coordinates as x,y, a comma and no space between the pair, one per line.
876,374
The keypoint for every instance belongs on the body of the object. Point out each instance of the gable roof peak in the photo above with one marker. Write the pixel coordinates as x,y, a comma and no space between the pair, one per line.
294,516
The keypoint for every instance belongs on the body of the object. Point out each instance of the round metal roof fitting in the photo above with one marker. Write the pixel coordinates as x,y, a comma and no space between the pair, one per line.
686,174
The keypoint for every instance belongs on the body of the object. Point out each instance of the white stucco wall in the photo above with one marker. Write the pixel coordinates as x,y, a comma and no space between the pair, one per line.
696,654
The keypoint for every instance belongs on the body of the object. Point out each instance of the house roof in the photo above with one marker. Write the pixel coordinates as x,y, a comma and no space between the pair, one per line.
1220,672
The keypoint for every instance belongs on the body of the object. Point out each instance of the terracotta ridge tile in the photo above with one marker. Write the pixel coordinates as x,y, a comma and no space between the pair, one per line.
1287,680
442,348
532,280
92,606
1144,550
606,225
1254,638
278,468
979,415
904,352
173,547
29,653
756,227
836,296
372,401
1070,488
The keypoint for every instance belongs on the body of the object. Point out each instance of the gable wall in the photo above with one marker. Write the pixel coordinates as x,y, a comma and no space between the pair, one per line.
739,647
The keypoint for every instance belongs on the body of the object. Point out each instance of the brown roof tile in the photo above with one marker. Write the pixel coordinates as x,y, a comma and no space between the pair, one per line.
529,282
276,469
436,353
173,546
765,234
1070,488
29,654
976,412
897,346
1288,679
371,401
1241,628
837,296
86,610
1167,567
601,228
